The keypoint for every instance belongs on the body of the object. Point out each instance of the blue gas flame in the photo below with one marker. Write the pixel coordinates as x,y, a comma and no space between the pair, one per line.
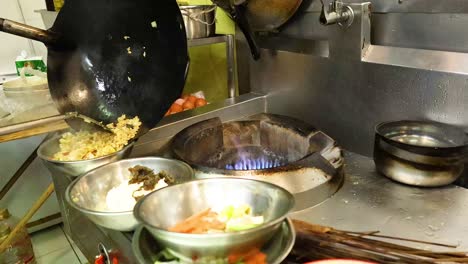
254,164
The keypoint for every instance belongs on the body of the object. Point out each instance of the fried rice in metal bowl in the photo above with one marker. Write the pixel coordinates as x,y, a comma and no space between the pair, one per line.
84,145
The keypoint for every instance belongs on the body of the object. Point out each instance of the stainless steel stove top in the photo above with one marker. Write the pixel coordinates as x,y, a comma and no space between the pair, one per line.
366,201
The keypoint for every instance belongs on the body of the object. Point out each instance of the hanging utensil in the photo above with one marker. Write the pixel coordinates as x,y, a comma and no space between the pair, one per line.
108,57
258,15
236,10
269,15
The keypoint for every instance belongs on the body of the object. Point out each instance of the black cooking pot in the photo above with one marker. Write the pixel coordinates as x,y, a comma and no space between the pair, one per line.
112,57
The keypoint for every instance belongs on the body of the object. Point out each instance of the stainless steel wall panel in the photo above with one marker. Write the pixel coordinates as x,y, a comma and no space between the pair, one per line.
403,6
446,32
359,85
442,61
348,99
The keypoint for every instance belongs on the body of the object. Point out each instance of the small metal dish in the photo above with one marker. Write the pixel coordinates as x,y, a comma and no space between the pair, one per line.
146,248
168,206
87,193
420,153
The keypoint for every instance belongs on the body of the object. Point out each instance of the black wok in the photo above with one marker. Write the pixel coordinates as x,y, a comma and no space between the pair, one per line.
112,57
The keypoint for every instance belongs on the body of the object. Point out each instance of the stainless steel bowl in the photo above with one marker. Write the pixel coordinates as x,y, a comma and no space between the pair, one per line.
146,249
72,169
88,192
64,172
199,20
166,207
420,153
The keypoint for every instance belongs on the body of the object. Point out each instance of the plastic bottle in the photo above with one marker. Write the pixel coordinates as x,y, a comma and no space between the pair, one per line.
20,250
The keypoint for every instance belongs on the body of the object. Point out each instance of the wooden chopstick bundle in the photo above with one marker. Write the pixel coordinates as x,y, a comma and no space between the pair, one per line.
318,242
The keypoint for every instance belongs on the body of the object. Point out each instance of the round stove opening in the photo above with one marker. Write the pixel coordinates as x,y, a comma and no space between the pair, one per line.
276,149
258,144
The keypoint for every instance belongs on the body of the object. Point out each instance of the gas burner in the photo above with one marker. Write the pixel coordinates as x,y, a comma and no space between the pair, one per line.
272,148
246,158
254,164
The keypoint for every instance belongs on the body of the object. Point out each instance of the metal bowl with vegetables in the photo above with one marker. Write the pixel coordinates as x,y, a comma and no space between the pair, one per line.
214,217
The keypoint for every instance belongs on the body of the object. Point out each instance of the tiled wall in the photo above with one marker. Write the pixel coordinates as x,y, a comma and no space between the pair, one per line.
11,46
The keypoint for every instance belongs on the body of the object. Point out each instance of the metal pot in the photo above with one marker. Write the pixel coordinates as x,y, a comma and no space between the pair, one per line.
420,153
200,21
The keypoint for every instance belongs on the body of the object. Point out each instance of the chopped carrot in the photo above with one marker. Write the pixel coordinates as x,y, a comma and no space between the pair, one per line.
258,258
199,223
253,256
189,223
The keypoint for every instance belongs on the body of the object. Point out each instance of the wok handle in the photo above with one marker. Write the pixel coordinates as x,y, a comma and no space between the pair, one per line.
243,23
26,31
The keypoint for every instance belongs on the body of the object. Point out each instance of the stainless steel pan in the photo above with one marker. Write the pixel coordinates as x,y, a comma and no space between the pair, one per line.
112,57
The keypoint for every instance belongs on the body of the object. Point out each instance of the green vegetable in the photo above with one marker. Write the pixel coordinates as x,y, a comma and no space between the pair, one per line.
227,212
240,227
165,257
240,218
235,212
241,211
243,223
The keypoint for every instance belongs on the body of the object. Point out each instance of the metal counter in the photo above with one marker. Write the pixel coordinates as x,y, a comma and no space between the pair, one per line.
369,201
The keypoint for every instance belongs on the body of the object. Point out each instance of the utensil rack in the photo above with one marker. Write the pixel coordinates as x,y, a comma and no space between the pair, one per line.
15,131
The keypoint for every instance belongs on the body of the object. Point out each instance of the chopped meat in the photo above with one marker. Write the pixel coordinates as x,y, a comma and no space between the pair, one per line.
145,175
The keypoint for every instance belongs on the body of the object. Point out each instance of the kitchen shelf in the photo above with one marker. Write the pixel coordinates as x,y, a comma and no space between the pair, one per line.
229,40
18,127
208,41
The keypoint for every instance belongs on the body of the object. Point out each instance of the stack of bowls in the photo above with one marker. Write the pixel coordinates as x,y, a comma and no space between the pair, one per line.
166,207
30,92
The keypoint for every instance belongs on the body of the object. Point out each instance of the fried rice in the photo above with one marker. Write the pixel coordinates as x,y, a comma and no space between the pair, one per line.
85,145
